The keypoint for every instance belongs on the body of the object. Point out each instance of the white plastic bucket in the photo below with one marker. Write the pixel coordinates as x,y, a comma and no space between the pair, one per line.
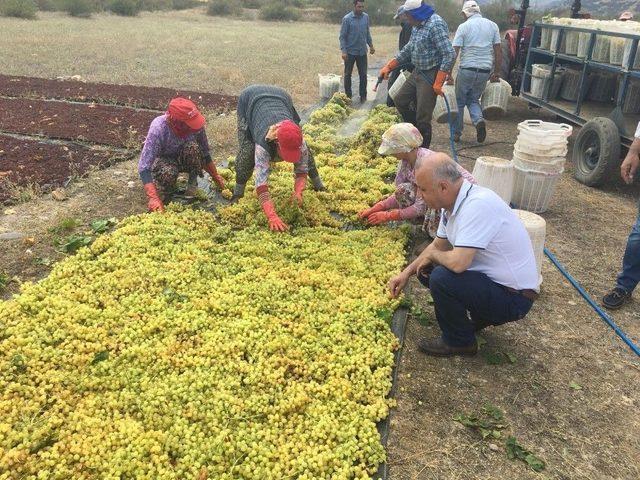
541,70
545,38
571,42
440,110
538,164
540,75
541,81
397,85
616,50
536,227
329,84
495,173
547,133
601,49
631,103
554,42
536,149
627,54
532,191
495,99
571,84
583,44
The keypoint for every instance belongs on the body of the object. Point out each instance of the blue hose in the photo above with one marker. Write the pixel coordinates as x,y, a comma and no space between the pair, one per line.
451,129
593,304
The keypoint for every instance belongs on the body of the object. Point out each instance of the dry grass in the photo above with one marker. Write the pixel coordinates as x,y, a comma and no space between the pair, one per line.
185,49
222,134
21,193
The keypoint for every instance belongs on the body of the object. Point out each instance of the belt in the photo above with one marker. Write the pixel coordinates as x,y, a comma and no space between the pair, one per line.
478,70
526,293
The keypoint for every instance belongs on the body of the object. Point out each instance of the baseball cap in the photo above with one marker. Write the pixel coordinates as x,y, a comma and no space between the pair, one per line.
289,141
470,7
185,110
408,5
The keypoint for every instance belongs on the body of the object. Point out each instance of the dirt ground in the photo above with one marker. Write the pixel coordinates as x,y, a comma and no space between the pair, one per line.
27,163
571,394
93,123
155,98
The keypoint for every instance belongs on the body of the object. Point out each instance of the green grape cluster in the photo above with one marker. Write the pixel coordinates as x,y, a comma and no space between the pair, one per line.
188,346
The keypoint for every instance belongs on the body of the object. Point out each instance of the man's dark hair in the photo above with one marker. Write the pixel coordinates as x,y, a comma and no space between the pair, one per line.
357,1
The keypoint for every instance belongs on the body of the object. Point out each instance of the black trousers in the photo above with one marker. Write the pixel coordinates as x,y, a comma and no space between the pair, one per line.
361,63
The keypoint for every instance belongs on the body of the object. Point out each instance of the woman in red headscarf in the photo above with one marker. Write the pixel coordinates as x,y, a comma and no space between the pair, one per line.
176,143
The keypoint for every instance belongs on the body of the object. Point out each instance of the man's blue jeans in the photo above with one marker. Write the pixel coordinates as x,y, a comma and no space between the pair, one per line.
469,88
455,294
630,275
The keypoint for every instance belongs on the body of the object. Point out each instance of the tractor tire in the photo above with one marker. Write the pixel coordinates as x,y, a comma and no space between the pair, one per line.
596,152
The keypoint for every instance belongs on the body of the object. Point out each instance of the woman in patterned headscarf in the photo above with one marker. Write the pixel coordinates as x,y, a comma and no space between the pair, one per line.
403,141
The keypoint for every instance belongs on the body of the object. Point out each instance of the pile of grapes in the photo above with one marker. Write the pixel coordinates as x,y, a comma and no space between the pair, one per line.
189,346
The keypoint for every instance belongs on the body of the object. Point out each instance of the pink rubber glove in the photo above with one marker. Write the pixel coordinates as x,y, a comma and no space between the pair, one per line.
154,204
275,224
378,207
383,217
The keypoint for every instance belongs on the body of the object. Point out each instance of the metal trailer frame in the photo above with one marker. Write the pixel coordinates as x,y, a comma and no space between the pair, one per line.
577,112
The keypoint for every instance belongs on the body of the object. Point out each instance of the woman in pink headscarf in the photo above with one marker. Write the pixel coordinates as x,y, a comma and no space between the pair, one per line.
403,141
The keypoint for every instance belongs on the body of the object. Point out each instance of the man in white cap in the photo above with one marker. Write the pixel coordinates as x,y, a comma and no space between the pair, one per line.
477,41
430,51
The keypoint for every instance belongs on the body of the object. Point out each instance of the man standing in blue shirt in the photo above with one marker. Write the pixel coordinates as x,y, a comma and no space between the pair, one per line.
354,38
479,41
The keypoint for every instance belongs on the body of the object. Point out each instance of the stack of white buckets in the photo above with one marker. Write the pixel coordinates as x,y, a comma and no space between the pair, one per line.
529,180
539,156
498,175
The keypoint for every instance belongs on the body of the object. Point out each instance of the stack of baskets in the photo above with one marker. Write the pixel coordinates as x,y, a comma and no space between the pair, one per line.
539,156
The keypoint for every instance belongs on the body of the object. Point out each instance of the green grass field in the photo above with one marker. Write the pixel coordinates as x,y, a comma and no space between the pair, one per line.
186,49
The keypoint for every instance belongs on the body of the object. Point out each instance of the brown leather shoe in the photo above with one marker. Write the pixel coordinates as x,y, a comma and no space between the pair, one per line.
437,348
